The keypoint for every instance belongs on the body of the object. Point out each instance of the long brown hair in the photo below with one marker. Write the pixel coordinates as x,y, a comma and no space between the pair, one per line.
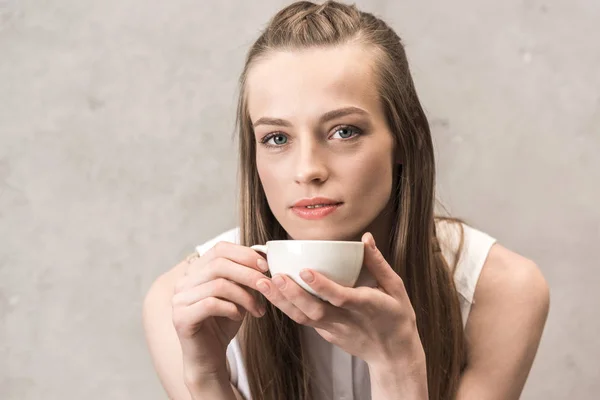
276,364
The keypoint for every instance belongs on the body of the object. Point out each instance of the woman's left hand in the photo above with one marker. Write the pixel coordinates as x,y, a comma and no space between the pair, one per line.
377,325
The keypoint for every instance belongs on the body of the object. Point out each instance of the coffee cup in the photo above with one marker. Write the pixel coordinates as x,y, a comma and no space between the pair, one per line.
340,261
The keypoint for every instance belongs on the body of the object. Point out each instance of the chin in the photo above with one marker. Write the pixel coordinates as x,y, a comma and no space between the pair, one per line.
322,232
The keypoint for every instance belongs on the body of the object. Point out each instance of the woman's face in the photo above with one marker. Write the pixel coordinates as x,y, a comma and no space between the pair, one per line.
322,138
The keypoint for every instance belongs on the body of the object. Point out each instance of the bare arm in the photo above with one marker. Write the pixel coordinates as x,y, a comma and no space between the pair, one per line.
504,327
164,344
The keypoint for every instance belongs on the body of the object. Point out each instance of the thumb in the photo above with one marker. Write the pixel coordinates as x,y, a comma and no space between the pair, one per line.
376,263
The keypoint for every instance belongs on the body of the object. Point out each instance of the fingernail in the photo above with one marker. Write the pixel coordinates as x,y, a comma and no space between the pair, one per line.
262,264
307,276
373,245
263,287
279,282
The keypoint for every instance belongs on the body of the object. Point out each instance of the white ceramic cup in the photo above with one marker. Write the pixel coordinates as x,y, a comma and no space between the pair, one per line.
338,260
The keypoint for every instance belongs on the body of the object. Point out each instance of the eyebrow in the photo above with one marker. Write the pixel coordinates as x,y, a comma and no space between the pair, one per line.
328,116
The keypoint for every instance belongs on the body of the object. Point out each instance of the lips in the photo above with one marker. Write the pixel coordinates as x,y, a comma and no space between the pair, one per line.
316,202
315,208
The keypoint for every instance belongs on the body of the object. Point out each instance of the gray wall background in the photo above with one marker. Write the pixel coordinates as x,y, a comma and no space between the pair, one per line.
116,158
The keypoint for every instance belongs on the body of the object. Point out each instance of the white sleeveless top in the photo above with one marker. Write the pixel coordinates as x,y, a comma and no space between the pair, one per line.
339,375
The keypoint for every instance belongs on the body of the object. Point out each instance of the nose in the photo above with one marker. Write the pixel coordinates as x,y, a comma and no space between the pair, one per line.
311,165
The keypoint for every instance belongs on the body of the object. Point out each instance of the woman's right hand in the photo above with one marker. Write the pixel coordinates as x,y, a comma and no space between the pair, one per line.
210,303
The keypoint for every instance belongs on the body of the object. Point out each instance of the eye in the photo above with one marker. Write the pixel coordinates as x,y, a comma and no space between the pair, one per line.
274,140
346,132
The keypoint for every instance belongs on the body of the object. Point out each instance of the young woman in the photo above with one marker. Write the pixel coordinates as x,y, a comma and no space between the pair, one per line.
334,145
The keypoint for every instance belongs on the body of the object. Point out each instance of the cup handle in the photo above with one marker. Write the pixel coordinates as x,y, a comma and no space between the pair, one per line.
260,248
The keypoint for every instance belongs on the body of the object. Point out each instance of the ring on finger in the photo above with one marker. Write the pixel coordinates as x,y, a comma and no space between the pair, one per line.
189,259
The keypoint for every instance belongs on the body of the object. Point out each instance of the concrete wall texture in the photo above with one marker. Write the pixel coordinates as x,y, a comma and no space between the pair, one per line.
117,157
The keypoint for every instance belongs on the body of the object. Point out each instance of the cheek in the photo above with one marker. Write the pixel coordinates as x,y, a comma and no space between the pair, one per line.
270,178
369,185
371,178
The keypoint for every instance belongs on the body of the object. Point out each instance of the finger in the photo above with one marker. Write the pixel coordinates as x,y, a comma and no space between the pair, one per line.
223,289
221,268
239,254
201,310
344,301
336,294
275,297
377,265
318,311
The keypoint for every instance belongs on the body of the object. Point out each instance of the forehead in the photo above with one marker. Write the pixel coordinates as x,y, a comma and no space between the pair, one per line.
309,82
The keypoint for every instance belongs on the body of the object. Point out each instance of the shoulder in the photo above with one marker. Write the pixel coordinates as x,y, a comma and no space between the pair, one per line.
511,280
466,250
505,326
163,285
166,281
160,334
231,235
